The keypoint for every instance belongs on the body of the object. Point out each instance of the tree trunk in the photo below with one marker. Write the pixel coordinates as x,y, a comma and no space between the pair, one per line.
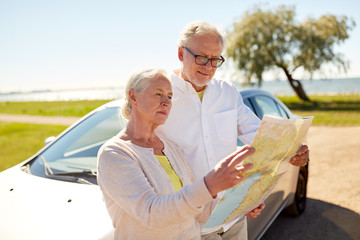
297,86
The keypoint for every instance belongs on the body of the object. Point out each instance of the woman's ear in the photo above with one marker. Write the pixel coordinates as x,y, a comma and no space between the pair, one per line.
132,97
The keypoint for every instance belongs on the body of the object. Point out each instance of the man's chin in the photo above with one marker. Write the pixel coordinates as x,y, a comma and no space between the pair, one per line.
201,82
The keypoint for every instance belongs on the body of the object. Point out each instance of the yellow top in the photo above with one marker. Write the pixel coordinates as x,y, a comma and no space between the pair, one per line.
201,94
174,178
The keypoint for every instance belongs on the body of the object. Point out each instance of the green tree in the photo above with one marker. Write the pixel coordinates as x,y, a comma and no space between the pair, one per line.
264,40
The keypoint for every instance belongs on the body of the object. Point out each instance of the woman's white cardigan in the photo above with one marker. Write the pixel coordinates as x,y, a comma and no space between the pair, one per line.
140,197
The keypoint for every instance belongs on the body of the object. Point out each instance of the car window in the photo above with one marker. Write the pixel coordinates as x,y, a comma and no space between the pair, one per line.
101,132
247,103
77,149
267,105
282,111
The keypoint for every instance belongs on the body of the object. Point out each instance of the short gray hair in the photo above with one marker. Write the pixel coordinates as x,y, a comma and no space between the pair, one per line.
138,82
199,28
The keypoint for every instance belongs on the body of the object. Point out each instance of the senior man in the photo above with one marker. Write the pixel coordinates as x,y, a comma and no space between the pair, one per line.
208,115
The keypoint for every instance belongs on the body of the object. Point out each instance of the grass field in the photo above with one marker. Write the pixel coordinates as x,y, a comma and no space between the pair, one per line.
56,108
18,141
337,110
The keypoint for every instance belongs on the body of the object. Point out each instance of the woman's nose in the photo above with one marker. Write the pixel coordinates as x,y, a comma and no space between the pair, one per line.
166,101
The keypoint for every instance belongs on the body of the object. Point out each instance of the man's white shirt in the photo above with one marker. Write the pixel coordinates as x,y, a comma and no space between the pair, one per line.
206,131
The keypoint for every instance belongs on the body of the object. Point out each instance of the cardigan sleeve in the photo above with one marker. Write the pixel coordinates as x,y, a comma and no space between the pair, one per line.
122,179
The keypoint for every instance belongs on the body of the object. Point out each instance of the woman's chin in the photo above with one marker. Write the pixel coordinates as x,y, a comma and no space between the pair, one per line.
161,120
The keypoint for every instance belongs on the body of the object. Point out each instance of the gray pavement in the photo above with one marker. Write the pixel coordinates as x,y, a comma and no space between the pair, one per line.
56,120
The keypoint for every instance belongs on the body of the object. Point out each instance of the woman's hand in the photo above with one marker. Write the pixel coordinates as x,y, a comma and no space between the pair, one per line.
227,173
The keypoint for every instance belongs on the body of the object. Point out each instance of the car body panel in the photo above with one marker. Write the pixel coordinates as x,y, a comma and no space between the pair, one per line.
33,207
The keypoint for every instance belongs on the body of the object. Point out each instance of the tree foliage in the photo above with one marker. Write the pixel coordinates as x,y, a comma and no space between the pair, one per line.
264,40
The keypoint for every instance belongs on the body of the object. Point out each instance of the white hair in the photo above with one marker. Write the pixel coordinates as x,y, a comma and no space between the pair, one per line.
138,82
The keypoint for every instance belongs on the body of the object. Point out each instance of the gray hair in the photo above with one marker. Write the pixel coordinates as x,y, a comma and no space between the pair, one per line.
138,82
199,28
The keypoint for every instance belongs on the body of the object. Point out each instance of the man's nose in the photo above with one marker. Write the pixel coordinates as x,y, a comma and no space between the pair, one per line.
208,64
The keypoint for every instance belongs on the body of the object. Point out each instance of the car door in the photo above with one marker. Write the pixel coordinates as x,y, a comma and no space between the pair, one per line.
261,105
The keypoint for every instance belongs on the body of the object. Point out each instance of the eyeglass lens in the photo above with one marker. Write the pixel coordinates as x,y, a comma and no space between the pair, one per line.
215,62
202,60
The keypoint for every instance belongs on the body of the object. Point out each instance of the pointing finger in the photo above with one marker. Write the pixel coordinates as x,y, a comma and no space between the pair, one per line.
241,156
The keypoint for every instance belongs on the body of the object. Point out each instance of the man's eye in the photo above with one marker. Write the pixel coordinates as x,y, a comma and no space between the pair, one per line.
203,59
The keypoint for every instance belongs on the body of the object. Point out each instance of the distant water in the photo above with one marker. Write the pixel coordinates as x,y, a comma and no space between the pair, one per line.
316,87
63,95
329,86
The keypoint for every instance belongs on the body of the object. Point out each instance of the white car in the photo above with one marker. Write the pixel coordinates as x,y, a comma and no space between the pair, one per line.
54,193
290,192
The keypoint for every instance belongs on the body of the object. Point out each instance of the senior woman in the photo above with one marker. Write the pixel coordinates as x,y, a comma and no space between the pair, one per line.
147,186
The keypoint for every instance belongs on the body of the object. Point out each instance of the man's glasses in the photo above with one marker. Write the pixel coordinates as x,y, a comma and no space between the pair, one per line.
202,60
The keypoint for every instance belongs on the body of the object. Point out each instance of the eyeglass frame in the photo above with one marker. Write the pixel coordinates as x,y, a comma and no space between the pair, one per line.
208,59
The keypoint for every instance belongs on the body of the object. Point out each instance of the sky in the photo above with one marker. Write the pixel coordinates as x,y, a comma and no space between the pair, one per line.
66,44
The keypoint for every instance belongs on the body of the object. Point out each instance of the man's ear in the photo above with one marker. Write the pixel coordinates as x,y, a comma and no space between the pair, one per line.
181,53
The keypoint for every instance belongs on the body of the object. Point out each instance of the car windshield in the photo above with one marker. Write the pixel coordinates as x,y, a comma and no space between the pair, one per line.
76,151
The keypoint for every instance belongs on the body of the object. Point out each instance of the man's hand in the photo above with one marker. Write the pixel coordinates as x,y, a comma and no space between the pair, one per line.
301,157
256,212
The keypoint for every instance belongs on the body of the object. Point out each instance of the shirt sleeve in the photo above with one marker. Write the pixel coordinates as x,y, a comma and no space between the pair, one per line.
122,179
247,122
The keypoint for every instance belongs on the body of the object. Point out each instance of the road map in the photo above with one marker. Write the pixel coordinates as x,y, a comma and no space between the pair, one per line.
276,141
